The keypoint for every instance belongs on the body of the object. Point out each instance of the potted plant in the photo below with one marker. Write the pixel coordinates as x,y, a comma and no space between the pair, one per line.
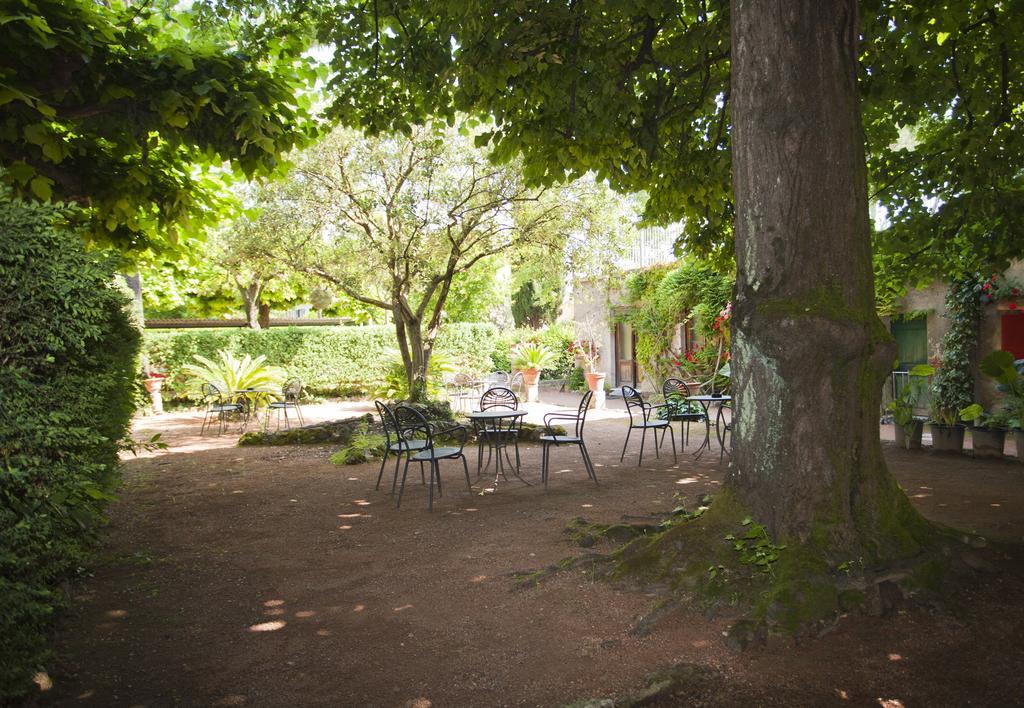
153,380
946,428
587,357
909,428
531,358
988,434
1009,376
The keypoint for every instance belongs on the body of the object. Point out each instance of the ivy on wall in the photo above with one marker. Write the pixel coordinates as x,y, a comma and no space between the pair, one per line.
953,385
661,298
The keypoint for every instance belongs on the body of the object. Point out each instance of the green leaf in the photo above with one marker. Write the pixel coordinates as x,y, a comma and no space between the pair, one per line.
42,187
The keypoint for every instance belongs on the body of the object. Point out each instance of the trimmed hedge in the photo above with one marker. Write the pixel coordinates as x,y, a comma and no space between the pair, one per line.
68,374
340,361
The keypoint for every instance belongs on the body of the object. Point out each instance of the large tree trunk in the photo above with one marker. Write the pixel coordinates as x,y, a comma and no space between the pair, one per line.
250,293
810,354
415,355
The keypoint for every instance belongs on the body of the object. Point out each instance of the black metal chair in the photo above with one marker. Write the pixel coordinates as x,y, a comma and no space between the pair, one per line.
576,438
723,426
415,426
395,444
291,392
217,407
675,392
640,418
497,434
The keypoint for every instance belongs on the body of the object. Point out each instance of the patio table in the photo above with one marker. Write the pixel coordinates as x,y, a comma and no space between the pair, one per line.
705,402
497,426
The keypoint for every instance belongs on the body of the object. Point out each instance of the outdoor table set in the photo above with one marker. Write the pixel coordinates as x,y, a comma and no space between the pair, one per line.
498,427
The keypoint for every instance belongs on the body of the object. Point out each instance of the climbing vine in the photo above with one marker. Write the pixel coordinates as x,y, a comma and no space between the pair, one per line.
953,386
663,297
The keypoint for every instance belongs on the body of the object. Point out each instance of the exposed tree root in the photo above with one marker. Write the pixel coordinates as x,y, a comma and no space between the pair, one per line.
715,558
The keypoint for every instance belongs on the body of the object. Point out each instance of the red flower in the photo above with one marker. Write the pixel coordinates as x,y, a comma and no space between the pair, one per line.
1013,306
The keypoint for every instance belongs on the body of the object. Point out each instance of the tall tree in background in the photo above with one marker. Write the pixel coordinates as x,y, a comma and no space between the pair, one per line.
403,216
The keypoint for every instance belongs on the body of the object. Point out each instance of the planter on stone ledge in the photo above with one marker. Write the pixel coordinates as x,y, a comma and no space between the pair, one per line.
988,442
947,438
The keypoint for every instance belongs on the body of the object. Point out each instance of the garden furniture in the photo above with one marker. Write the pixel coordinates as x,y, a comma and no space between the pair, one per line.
414,426
497,424
395,443
576,438
640,418
291,392
217,407
705,402
723,426
675,392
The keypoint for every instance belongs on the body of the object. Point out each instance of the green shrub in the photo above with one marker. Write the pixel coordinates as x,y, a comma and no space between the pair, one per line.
350,361
68,376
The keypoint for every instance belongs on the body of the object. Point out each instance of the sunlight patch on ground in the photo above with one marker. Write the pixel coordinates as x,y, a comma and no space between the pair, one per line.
117,613
895,657
305,613
42,680
995,504
403,608
273,603
890,703
359,608
843,695
323,632
349,516
478,579
688,480
267,626
345,527
360,502
587,506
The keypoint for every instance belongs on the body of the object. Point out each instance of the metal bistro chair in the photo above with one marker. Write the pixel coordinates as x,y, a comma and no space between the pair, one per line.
291,392
217,407
723,426
518,383
497,436
675,392
640,414
576,438
395,444
415,426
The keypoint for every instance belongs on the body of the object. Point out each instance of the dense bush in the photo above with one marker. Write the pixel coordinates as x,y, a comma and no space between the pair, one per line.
329,360
68,365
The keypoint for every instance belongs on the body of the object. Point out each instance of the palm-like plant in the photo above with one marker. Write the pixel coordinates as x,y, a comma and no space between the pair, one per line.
230,375
528,355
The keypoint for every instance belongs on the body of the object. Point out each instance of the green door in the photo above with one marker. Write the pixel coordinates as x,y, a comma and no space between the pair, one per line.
911,341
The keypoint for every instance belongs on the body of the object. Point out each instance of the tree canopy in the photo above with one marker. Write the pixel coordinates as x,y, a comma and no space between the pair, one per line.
123,108
638,92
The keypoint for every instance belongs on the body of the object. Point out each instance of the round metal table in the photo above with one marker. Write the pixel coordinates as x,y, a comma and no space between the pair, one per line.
496,427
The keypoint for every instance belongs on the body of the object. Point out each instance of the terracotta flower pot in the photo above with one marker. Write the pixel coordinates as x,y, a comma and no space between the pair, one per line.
530,376
154,386
988,442
595,380
909,437
947,438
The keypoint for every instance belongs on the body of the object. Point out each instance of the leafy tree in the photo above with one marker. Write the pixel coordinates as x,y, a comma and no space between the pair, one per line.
943,88
403,217
650,96
121,108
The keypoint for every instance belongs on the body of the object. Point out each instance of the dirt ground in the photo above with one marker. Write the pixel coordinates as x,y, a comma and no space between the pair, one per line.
270,577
